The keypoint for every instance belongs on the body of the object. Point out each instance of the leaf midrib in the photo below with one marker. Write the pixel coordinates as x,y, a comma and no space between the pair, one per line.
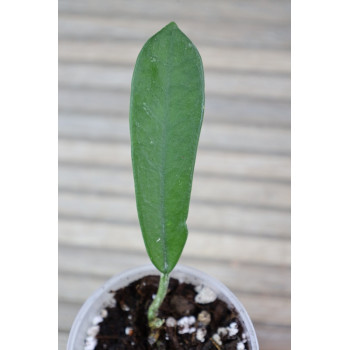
164,154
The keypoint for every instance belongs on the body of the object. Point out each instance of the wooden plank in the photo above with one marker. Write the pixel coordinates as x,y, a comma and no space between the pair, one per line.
66,314
273,337
217,58
218,109
246,278
213,135
262,309
248,34
219,83
203,216
250,166
200,244
277,12
111,181
62,339
257,112
270,337
276,310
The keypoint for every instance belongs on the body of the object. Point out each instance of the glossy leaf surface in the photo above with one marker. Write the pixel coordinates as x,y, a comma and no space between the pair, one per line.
166,111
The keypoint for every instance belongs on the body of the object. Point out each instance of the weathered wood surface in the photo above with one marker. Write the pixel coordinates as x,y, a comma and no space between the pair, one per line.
262,112
225,84
239,218
254,34
215,58
275,195
211,162
222,136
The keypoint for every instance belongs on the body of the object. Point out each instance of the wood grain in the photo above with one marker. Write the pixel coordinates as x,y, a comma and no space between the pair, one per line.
230,191
219,218
218,109
238,276
222,136
235,33
266,11
208,161
219,83
62,336
214,58
209,244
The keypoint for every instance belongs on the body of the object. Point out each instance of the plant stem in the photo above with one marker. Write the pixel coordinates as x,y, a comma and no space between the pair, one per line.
154,307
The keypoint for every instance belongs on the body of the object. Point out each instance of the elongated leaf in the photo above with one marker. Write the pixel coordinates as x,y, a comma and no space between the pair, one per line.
166,111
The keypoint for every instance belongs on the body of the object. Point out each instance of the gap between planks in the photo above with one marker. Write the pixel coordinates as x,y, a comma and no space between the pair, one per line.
264,11
224,137
131,223
257,279
202,216
257,61
212,95
113,182
268,149
225,84
237,110
205,201
233,33
244,248
209,162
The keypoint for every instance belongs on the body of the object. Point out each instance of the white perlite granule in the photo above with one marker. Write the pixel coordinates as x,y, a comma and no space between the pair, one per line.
112,302
125,307
240,346
200,335
217,339
90,340
188,330
96,320
184,324
104,313
129,331
186,321
198,288
205,295
232,329
92,331
170,322
90,343
222,331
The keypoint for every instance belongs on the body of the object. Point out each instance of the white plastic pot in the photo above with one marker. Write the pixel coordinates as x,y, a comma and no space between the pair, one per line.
101,298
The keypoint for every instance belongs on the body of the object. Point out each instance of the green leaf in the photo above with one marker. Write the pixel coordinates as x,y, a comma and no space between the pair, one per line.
166,111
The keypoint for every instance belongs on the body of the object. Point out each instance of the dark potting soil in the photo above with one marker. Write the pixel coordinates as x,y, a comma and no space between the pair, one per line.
125,326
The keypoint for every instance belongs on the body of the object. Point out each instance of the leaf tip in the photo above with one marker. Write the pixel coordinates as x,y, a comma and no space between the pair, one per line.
172,25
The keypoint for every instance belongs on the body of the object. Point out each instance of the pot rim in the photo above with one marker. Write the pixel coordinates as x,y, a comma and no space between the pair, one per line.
182,273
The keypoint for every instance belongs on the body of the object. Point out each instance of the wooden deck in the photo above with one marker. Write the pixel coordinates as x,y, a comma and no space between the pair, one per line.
239,221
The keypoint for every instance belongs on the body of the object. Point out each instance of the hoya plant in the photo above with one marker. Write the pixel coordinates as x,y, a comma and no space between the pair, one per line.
166,113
